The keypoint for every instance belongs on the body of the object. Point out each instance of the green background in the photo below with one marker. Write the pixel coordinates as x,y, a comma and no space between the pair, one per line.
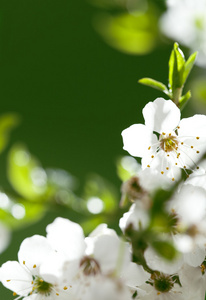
74,93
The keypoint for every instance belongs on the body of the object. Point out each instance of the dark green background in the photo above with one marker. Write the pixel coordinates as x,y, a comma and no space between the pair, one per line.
74,93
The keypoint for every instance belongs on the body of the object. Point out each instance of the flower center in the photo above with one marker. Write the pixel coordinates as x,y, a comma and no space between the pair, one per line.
168,143
90,266
163,283
132,189
41,286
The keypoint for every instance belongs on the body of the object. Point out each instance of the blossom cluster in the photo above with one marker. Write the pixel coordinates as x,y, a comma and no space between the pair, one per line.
141,264
169,147
66,265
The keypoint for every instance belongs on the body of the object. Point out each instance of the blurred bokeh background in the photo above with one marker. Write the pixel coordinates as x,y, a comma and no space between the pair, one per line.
69,70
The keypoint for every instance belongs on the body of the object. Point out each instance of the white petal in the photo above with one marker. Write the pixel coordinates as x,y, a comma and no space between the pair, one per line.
98,231
57,269
193,280
135,275
156,262
190,204
161,115
102,229
199,180
33,251
137,216
66,236
111,253
195,257
137,138
151,180
194,126
16,278
163,163
103,288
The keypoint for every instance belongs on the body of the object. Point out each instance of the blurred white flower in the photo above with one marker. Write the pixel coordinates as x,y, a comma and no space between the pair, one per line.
100,257
185,22
165,143
5,237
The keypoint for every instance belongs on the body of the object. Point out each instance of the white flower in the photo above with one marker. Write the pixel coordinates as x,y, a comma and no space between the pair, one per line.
24,278
165,143
185,22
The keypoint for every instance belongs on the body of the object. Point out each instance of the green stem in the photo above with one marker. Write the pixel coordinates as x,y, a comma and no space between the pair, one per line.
177,95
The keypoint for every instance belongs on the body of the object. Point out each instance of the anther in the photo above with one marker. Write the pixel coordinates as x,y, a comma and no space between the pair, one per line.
65,288
152,156
168,155
170,134
14,294
198,168
183,143
197,151
184,167
148,166
192,147
57,294
178,127
24,262
162,172
176,164
197,137
34,266
149,148
173,179
163,133
8,280
167,168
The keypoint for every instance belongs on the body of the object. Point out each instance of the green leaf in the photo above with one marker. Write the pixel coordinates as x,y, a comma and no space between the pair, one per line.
176,69
165,249
188,65
7,123
183,100
26,175
20,212
129,33
154,84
